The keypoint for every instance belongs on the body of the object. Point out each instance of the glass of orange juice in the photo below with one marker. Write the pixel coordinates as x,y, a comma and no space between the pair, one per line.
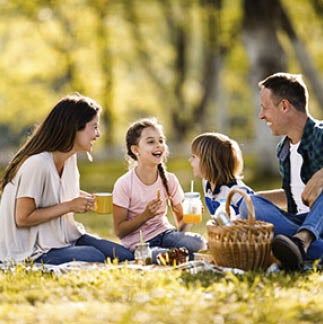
192,208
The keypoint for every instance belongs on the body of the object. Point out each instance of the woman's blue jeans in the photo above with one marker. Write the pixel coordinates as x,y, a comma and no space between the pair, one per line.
193,242
289,224
87,248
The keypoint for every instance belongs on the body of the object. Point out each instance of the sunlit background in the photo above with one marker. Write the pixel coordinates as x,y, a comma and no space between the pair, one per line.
194,64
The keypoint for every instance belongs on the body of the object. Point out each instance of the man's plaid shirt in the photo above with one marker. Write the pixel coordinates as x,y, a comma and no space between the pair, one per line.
311,149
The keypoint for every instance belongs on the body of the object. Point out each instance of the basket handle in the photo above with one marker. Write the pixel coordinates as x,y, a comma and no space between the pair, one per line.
251,209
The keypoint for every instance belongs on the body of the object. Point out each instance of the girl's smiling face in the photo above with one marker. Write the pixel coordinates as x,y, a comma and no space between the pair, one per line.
195,164
151,146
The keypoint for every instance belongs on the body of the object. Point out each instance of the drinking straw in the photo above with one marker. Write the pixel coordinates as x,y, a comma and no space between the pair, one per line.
141,238
192,185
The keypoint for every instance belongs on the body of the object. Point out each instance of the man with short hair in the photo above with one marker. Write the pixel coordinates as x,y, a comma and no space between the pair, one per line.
299,230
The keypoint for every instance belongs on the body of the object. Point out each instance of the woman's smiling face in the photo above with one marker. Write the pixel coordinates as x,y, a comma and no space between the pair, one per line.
85,138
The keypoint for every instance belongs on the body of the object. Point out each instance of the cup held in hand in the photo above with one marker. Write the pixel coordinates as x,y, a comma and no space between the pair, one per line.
103,202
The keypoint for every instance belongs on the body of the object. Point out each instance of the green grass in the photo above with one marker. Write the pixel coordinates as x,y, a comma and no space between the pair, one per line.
131,296
122,295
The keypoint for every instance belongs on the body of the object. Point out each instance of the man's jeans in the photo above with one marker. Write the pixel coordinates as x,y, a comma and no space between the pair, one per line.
175,239
87,248
289,224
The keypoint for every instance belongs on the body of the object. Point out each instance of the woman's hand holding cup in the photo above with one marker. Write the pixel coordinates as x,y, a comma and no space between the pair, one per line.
82,204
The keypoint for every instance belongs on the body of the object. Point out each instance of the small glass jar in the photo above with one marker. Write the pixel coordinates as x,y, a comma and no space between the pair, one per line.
220,216
143,254
192,208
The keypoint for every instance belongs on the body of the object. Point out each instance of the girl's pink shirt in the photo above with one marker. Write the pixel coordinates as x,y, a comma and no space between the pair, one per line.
130,193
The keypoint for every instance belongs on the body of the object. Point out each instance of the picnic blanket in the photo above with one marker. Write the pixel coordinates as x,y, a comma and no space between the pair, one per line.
192,267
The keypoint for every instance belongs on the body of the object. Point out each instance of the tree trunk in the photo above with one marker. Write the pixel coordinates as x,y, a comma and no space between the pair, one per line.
106,62
184,116
303,57
266,57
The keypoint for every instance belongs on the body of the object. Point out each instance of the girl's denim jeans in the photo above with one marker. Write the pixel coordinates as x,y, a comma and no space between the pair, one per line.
289,224
193,242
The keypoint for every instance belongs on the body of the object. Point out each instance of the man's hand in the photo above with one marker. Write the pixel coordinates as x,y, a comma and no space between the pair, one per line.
313,188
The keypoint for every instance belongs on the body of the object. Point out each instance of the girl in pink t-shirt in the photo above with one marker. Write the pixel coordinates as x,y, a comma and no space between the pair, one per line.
140,196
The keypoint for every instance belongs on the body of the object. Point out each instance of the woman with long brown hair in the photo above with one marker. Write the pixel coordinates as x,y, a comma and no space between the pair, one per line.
41,191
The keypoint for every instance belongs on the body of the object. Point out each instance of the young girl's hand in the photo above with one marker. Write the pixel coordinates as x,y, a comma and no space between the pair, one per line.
153,208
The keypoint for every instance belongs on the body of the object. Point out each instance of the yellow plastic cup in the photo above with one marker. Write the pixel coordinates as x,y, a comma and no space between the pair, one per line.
103,202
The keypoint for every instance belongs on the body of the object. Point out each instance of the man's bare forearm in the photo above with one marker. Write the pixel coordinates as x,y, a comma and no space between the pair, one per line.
276,196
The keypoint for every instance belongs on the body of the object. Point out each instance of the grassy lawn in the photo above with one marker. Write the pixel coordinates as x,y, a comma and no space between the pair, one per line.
123,295
170,296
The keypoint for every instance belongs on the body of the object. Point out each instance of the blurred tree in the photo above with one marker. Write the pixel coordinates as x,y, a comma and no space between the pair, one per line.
182,61
266,56
262,21
305,61
67,29
184,113
101,9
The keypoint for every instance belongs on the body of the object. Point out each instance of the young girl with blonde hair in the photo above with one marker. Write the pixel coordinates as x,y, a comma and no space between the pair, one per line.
140,196
217,159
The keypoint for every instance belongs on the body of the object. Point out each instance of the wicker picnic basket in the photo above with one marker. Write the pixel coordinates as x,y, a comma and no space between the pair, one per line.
244,245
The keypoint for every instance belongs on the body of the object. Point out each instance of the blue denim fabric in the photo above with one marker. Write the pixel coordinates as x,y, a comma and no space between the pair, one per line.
89,249
289,224
193,242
